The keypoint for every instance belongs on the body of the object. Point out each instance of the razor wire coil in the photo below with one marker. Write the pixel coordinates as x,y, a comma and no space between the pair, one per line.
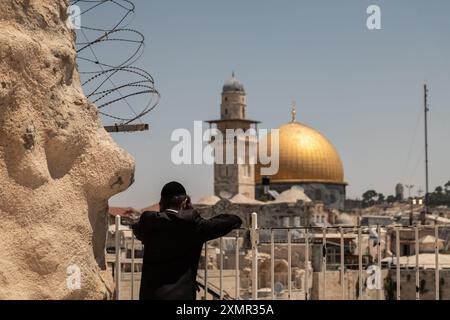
98,75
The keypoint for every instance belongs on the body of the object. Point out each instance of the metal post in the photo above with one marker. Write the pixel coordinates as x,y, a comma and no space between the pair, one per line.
342,264
254,256
289,250
306,264
272,262
416,229
118,258
397,263
380,273
221,268
425,104
132,267
206,272
237,281
360,263
324,261
436,266
411,213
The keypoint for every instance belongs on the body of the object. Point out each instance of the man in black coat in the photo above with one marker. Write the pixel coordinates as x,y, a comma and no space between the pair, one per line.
173,240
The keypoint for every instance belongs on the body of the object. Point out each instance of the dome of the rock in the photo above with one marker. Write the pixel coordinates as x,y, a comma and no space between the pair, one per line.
305,155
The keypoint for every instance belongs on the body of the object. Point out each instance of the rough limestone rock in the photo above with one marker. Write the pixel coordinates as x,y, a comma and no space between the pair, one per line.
58,166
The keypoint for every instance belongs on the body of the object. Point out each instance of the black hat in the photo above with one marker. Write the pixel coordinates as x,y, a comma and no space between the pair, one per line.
173,189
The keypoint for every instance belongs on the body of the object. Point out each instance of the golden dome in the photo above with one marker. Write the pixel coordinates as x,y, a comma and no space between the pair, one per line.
305,156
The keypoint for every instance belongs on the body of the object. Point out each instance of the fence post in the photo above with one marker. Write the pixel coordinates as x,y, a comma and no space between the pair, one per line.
254,237
416,231
307,264
221,268
360,263
132,267
237,284
397,254
342,263
272,262
289,252
206,272
324,261
436,252
380,271
118,257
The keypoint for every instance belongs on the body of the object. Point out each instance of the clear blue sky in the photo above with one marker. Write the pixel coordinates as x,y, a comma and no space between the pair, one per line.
362,89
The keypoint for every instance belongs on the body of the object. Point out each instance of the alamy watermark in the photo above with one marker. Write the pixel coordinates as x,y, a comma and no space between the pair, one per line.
235,147
374,20
73,17
373,278
73,280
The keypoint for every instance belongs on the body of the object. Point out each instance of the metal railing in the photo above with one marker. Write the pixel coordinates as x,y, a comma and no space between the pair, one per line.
320,239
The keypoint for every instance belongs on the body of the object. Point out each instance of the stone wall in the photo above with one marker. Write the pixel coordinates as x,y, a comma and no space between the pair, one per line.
58,166
333,288
427,284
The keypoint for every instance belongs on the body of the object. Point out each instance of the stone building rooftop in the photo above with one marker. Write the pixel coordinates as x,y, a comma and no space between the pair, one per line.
292,196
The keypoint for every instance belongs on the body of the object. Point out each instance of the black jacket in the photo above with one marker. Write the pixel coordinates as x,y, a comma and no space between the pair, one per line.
172,248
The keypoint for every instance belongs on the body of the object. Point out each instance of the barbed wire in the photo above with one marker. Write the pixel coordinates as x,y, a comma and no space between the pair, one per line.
98,76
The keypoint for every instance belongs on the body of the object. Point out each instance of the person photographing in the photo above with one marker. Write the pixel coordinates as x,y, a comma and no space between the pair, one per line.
173,239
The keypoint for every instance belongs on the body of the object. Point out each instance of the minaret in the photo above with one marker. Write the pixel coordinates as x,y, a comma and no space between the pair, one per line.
233,178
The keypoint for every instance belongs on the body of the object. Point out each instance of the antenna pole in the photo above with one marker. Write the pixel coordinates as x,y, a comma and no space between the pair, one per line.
426,146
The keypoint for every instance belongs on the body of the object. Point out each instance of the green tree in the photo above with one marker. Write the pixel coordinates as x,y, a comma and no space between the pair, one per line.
447,187
391,199
369,195
368,198
440,197
381,198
